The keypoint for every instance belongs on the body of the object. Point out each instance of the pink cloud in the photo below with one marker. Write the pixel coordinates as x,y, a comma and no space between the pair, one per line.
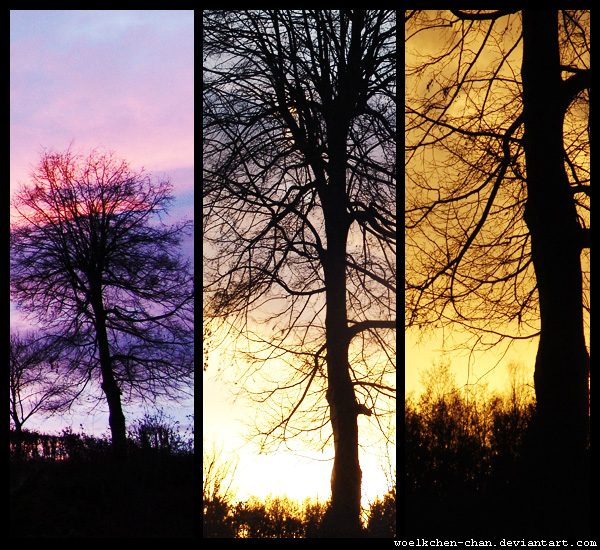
124,81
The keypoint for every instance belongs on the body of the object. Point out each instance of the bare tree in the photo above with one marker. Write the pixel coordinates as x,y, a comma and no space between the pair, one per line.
218,474
497,207
36,383
299,187
93,263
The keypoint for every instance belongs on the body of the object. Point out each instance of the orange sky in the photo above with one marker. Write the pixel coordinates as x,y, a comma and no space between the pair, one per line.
420,355
489,367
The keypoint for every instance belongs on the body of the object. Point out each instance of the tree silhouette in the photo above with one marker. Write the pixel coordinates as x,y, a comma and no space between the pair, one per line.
497,208
299,214
36,385
91,261
217,492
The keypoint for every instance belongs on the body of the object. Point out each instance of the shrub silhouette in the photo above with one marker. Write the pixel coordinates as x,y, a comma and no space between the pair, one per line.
276,517
217,521
281,517
382,517
159,432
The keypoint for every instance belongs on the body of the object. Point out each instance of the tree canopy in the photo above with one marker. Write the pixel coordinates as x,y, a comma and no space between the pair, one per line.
92,262
467,246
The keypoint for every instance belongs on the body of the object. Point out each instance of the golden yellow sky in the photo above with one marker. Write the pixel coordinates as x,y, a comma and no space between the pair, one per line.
489,367
302,474
422,351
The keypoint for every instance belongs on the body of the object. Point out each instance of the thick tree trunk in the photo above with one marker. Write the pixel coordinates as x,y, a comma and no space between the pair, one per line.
343,517
562,363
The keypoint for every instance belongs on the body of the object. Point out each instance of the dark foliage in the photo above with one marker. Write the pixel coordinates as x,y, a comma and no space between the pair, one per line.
382,517
217,521
92,495
280,517
275,517
473,469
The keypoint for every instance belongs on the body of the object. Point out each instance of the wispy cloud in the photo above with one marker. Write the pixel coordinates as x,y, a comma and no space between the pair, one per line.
119,79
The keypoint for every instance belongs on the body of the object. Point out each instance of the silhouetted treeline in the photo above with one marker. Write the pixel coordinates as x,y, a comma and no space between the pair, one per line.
473,467
280,517
152,432
74,486
35,445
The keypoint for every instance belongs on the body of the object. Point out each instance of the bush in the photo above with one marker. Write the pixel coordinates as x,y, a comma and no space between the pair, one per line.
281,517
463,461
382,517
159,432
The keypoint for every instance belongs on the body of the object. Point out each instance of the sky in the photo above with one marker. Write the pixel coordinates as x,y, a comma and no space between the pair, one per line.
424,350
118,80
302,473
490,368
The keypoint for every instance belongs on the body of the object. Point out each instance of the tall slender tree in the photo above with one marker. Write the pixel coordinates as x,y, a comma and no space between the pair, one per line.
91,261
299,187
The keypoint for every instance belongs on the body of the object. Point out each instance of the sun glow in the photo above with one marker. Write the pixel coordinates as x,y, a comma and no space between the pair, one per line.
296,467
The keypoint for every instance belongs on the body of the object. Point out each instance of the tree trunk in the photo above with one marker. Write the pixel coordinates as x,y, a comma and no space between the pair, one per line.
18,439
343,517
562,362
116,418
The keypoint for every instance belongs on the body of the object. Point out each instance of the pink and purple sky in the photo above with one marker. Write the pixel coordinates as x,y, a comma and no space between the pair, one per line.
120,80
